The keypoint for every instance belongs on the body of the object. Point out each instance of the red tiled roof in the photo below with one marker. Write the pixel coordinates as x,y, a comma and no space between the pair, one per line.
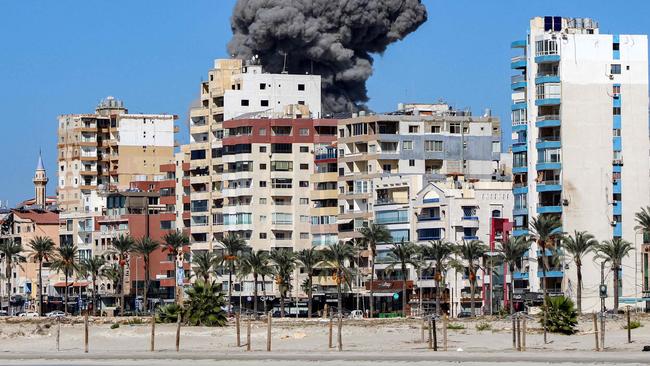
39,217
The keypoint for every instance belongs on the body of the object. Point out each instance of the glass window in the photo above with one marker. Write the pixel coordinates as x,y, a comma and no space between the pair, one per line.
616,69
391,217
407,145
433,146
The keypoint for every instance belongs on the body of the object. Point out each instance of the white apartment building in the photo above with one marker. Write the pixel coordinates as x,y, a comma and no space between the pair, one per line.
580,130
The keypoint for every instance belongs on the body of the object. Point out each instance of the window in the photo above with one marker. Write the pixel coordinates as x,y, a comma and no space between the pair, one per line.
616,46
414,129
262,86
301,102
546,47
304,149
304,166
616,111
433,146
264,103
262,201
435,129
262,149
407,145
262,183
262,235
616,89
386,167
616,132
616,69
304,132
454,128
262,131
304,235
304,184
301,87
411,162
304,201
262,166
245,103
391,217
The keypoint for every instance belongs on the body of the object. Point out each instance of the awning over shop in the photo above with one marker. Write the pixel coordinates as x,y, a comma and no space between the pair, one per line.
71,284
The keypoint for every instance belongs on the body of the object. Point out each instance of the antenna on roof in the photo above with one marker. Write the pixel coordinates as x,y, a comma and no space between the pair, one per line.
284,66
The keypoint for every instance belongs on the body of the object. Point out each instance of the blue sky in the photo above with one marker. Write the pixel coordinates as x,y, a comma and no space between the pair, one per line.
62,57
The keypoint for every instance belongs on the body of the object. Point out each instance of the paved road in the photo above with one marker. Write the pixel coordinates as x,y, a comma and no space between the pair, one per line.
331,359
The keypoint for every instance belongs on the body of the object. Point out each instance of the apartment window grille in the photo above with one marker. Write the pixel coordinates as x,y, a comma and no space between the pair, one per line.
411,162
546,47
616,69
414,129
304,132
304,149
454,128
433,146
304,166
435,129
304,201
407,145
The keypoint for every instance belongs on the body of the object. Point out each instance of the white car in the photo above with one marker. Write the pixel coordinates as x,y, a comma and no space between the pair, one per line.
356,314
29,314
55,314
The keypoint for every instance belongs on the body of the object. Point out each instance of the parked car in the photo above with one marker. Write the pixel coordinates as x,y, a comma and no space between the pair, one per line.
55,314
356,314
29,314
4,313
464,314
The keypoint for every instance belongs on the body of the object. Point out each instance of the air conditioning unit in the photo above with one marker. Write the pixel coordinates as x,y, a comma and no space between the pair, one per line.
613,223
617,95
565,202
617,162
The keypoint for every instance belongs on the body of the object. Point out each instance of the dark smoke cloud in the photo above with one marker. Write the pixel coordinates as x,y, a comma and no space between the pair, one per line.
332,38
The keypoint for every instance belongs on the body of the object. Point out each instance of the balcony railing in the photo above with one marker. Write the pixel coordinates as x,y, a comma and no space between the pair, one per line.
549,183
549,117
518,58
517,79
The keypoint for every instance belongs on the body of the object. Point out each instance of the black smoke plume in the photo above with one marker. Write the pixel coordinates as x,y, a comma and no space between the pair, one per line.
331,38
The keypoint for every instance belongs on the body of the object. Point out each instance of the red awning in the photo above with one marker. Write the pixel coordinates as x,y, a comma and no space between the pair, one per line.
71,284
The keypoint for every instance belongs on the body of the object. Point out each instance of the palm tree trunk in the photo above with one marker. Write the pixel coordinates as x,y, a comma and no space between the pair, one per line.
230,290
438,309
281,303
309,297
372,279
8,278
95,294
122,291
579,292
544,291
254,294
472,290
512,290
65,298
146,285
40,287
339,298
615,289
404,296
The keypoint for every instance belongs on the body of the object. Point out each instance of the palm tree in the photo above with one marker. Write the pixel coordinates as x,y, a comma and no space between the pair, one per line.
203,262
258,264
10,250
66,262
614,251
512,251
233,247
42,249
284,264
113,273
546,231
308,259
577,246
123,246
472,251
441,253
403,254
643,220
145,246
337,256
371,236
175,241
93,267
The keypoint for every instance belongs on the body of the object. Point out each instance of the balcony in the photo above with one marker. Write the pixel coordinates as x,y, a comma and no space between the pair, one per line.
618,207
518,104
519,146
544,59
547,208
545,100
518,62
551,273
549,186
519,231
520,211
518,126
546,78
549,142
520,169
428,218
520,43
548,165
520,275
470,237
552,120
518,82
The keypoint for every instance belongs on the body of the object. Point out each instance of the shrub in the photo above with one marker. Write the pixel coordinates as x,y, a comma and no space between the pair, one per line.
633,324
204,305
169,313
455,326
561,315
483,326
135,321
115,326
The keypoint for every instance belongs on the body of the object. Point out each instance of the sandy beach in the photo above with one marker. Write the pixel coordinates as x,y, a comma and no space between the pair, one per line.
34,340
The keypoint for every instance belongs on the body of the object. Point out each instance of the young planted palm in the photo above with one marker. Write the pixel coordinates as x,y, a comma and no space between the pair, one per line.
233,247
93,267
42,249
65,261
122,247
472,252
175,241
145,246
371,236
284,263
309,259
113,273
403,254
546,230
256,263
203,264
337,257
512,251
577,246
614,251
441,253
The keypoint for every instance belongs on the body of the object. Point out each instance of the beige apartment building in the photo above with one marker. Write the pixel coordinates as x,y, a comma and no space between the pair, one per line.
107,150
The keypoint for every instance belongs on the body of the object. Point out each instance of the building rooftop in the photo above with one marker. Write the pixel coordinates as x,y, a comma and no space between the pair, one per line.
38,217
